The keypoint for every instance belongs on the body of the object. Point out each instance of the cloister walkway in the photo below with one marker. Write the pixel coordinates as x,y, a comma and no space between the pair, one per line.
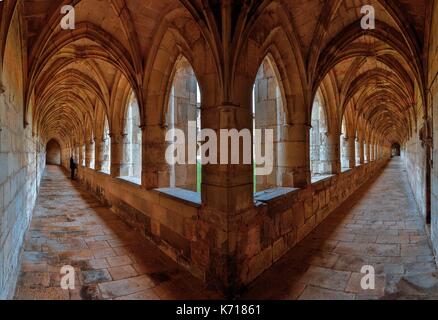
379,226
71,227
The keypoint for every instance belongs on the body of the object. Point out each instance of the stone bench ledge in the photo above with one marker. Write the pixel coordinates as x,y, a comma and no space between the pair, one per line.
131,180
273,194
189,197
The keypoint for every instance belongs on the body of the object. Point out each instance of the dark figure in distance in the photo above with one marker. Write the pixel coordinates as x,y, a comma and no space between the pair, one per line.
72,168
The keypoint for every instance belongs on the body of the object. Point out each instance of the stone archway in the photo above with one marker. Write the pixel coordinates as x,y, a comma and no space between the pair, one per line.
395,150
53,153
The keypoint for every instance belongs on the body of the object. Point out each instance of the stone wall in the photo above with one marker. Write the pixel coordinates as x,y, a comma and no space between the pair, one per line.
434,173
260,237
433,85
166,221
414,158
413,155
281,223
53,153
22,162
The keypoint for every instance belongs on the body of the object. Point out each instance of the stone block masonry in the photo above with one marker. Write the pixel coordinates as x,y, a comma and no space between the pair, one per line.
21,166
283,222
260,237
22,161
109,91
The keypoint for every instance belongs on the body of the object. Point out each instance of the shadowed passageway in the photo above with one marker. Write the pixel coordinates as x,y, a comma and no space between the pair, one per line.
379,226
70,227
163,105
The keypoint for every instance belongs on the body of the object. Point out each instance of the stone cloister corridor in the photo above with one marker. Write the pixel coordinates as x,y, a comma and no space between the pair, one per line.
218,149
71,227
378,228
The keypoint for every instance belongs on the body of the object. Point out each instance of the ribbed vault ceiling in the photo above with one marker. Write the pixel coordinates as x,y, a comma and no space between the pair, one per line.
72,76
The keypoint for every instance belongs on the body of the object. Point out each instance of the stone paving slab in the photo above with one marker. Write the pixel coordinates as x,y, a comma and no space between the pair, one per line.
71,227
379,226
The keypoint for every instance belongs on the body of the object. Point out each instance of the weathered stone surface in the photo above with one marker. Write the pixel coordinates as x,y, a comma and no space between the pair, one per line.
117,262
328,265
337,115
96,276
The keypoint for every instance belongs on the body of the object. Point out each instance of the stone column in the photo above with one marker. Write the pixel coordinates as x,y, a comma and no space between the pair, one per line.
357,151
227,199
106,154
81,156
362,151
372,153
155,169
89,149
368,152
98,154
119,163
333,153
227,188
297,153
293,162
349,152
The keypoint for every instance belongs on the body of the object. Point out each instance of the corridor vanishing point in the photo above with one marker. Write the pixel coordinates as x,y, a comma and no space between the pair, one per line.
348,88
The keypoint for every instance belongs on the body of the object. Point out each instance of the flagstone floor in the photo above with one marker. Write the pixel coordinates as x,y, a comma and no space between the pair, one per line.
71,227
378,227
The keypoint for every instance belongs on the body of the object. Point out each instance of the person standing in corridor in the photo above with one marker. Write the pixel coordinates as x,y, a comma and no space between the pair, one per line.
72,167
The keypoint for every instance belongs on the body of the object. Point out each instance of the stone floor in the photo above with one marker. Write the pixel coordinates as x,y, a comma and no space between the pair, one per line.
70,227
379,226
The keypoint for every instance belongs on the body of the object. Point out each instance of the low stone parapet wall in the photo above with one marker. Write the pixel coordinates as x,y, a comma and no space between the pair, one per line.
253,241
